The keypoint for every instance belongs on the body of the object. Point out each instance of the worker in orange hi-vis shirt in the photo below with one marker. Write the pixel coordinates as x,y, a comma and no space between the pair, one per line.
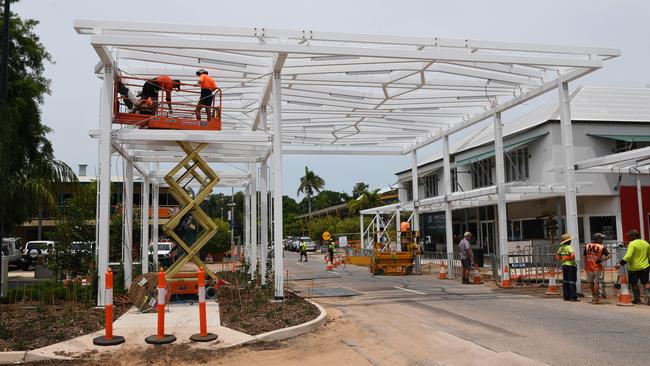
208,86
167,85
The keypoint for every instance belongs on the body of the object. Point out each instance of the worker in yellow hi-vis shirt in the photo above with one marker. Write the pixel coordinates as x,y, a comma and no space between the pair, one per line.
569,268
638,265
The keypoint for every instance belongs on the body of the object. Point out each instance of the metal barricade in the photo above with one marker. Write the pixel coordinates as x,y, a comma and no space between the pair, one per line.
431,262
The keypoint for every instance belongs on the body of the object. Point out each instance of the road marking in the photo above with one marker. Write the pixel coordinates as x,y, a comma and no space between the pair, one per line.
409,290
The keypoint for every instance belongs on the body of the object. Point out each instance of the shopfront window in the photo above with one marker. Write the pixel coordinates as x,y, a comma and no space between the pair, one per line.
605,225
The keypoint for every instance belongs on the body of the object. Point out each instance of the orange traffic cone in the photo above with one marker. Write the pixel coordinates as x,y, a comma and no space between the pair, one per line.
329,265
443,271
505,283
477,276
335,263
624,297
552,288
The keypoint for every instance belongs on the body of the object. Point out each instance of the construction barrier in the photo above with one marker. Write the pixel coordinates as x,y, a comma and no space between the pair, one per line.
203,335
108,339
161,337
431,262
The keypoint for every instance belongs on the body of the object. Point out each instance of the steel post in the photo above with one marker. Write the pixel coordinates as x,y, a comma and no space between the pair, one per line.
277,185
104,183
154,224
264,207
144,212
502,215
127,220
639,198
569,174
449,234
416,190
253,208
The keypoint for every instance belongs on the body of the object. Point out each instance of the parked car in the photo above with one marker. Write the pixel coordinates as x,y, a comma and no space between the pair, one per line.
164,249
311,246
11,249
34,249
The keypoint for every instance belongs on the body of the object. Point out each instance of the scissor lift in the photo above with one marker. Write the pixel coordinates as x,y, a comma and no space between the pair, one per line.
192,168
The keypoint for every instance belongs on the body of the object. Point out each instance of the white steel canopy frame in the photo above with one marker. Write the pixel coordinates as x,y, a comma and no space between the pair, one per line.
328,93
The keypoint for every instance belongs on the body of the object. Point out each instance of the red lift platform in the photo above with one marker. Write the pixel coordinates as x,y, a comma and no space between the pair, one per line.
158,115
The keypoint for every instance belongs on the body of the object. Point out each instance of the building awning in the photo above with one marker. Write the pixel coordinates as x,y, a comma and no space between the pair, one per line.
490,153
626,138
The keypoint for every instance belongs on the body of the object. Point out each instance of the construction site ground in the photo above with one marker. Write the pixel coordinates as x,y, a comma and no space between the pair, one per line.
420,320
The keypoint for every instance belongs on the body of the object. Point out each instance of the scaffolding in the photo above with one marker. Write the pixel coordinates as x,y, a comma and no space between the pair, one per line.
328,94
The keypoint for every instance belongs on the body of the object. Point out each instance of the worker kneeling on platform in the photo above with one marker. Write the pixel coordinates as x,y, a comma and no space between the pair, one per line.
208,86
148,102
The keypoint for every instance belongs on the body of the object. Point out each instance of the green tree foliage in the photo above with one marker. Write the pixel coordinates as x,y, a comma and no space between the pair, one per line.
358,189
310,183
220,242
27,164
368,199
327,199
318,226
75,224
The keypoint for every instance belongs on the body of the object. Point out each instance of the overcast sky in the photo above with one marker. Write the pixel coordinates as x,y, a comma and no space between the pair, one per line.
72,109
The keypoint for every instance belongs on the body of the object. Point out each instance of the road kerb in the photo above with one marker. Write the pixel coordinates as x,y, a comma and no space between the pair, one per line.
290,332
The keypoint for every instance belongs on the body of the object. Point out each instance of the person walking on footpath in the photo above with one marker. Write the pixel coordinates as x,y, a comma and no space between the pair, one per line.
638,265
595,254
466,256
567,255
303,250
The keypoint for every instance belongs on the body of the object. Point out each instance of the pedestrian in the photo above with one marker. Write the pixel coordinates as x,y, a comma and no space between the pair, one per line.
595,254
638,265
208,86
466,256
567,255
303,250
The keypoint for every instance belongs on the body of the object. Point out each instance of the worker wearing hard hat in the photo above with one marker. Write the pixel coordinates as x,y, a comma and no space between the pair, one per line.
567,255
208,86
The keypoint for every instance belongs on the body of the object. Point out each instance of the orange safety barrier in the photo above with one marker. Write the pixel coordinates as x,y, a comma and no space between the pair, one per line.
477,276
552,284
203,335
624,297
108,339
505,282
442,275
160,337
160,117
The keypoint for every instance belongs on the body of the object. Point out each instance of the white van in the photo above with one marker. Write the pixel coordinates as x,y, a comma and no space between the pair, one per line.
11,248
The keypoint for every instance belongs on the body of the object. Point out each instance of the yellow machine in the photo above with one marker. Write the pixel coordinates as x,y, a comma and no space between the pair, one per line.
386,262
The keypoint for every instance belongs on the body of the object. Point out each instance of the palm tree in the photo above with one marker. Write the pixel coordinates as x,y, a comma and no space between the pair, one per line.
358,189
309,184
367,199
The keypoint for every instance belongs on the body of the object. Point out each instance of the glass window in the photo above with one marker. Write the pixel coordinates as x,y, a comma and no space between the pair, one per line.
454,180
482,173
532,229
605,225
409,190
516,164
430,183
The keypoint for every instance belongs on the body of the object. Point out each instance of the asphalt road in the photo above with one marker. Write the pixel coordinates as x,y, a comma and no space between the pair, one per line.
420,320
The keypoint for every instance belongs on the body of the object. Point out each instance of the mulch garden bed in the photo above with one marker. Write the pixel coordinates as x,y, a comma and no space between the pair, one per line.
31,324
250,309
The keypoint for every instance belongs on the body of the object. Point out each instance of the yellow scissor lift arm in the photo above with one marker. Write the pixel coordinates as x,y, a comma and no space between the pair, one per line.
192,167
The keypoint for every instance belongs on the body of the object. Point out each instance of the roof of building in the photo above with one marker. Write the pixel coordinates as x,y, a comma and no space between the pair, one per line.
588,103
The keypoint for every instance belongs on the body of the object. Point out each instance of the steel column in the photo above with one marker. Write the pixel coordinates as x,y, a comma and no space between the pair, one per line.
449,234
639,198
571,211
502,215
154,229
247,226
264,206
104,182
127,220
277,185
144,212
415,188
254,244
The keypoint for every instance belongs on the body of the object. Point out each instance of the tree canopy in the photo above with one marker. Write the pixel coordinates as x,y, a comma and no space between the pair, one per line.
310,183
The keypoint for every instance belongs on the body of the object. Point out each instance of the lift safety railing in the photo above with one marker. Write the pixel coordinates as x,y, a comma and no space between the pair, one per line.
157,113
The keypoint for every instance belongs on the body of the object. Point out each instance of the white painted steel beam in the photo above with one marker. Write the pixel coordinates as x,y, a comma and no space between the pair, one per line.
253,220
608,160
449,235
155,223
502,215
277,187
569,174
264,210
144,226
127,221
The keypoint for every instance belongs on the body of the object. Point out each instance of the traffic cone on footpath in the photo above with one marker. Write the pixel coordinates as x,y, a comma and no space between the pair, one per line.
624,297
329,264
552,288
505,283
336,261
443,271
477,276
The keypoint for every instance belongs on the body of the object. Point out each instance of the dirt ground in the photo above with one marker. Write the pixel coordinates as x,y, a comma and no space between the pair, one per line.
30,325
